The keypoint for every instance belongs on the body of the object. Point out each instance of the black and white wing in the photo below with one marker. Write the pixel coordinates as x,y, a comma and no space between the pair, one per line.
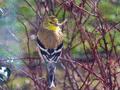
50,55
4,74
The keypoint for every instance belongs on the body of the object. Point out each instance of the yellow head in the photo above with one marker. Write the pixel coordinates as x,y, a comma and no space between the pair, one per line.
51,23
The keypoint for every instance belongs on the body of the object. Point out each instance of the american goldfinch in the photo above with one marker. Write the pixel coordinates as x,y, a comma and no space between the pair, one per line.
50,43
4,74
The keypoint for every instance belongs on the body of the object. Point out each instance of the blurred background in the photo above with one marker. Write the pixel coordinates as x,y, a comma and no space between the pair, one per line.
90,59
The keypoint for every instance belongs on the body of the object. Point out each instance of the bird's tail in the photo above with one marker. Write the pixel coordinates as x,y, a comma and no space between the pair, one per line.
51,74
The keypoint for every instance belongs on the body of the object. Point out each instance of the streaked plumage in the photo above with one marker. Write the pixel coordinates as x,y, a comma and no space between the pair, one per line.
50,42
50,54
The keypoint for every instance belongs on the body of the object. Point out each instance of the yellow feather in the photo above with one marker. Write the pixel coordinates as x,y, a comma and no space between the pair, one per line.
53,28
50,35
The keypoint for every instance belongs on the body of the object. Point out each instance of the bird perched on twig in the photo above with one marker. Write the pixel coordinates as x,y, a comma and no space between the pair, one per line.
50,43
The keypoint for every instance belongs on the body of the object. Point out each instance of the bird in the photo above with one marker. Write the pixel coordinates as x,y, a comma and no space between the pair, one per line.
5,73
50,44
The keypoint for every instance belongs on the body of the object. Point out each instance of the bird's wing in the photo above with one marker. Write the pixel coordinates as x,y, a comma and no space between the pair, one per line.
50,55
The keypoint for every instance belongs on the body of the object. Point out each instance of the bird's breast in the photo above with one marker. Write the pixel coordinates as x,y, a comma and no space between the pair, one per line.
50,39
